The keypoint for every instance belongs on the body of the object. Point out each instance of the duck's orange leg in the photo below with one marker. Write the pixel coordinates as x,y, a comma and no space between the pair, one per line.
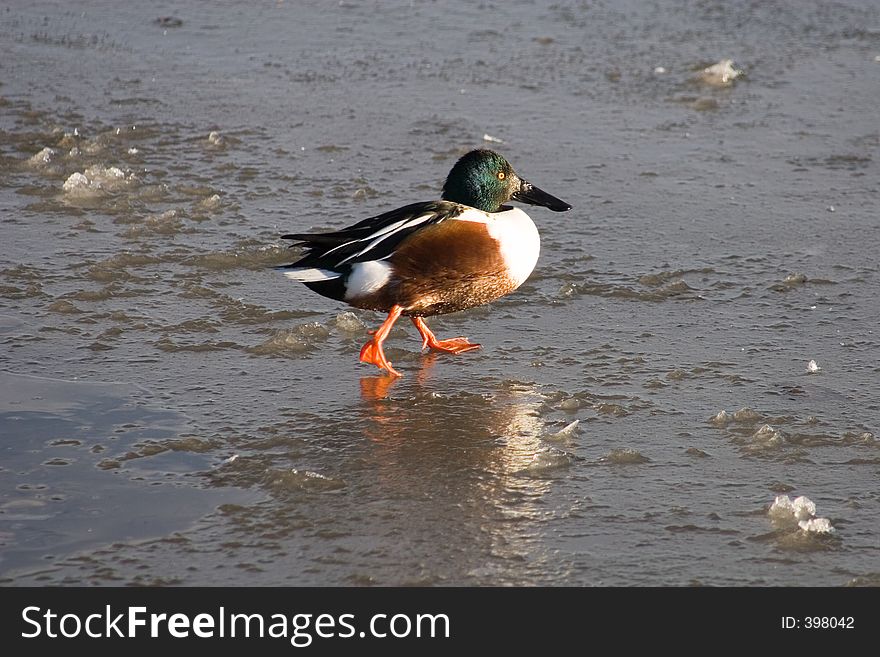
372,351
452,345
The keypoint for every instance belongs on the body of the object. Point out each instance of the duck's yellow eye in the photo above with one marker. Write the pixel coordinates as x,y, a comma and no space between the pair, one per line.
501,175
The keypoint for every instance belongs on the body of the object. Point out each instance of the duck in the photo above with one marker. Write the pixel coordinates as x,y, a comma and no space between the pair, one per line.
432,257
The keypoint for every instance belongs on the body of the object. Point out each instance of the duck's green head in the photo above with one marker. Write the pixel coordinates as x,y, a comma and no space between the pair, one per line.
483,179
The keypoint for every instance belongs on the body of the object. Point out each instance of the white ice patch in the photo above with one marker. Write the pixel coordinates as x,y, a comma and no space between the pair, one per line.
367,278
311,275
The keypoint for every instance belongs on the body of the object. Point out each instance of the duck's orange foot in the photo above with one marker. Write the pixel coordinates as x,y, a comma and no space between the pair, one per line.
372,353
452,345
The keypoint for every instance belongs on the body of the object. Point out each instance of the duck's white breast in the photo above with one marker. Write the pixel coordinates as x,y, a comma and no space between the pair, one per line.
517,238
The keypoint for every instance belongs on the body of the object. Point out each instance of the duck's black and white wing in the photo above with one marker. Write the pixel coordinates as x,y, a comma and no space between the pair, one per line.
332,256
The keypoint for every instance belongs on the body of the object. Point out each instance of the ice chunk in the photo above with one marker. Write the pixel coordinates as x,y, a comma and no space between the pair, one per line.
109,173
801,508
721,419
781,506
625,456
167,223
570,404
96,179
75,181
492,140
209,204
287,481
292,343
721,74
813,367
816,526
569,431
768,436
785,512
547,462
746,415
348,322
43,157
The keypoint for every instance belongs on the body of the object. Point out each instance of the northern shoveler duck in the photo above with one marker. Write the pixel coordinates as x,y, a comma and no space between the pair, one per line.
432,257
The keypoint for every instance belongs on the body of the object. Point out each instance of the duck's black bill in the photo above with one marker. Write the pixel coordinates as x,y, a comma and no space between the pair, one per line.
528,193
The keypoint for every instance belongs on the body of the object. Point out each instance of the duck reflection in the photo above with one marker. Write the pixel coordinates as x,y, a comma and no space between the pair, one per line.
451,466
